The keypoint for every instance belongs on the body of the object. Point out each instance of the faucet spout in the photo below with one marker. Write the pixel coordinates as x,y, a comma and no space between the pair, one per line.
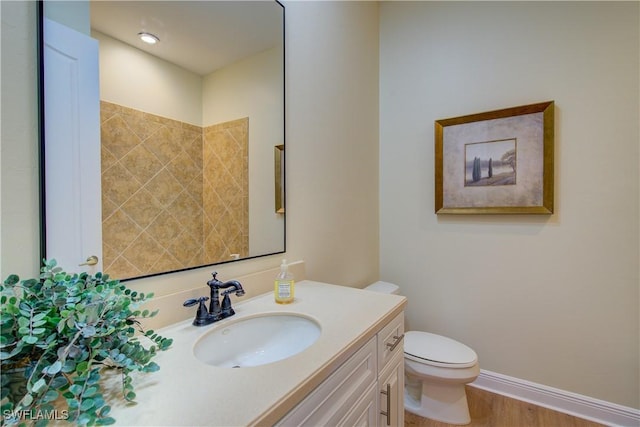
235,287
217,310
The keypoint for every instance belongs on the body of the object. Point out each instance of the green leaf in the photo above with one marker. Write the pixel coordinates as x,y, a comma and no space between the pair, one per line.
94,376
27,399
88,331
5,340
84,419
59,382
5,318
151,367
50,396
39,316
39,385
69,366
11,280
42,422
90,392
87,404
104,411
30,339
82,367
53,369
76,389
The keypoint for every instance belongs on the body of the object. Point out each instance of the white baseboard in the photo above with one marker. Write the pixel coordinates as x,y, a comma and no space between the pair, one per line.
567,402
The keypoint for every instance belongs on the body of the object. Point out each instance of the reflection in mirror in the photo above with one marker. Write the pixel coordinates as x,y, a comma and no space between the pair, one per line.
279,177
187,130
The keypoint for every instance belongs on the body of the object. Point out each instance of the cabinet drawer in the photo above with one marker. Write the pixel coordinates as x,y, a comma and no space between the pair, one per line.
390,340
337,395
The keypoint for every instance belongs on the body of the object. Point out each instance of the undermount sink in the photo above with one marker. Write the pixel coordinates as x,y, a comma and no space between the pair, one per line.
256,340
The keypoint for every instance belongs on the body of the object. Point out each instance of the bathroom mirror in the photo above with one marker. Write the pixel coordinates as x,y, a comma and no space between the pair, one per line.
187,128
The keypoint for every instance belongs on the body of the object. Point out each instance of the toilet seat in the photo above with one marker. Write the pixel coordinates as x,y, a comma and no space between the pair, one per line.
432,349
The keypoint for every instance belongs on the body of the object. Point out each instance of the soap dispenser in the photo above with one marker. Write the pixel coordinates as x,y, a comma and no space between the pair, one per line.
284,285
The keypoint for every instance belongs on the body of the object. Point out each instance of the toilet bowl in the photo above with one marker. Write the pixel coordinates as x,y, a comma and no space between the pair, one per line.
437,369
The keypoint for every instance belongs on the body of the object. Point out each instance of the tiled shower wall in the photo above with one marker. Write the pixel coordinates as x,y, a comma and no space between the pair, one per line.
153,193
226,190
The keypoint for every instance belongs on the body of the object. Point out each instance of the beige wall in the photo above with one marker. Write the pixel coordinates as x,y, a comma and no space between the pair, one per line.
332,139
19,141
127,74
549,299
253,88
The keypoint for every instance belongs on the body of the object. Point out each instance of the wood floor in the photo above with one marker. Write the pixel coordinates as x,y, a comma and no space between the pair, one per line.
494,410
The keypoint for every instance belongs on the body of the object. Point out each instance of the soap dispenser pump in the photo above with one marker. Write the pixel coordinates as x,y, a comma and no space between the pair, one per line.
284,285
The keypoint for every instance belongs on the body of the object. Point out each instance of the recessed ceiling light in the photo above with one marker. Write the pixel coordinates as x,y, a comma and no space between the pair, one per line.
148,38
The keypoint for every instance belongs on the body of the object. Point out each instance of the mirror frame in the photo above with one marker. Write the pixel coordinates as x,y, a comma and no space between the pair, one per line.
42,143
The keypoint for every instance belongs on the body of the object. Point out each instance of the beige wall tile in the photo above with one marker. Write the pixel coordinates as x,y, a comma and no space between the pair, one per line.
165,191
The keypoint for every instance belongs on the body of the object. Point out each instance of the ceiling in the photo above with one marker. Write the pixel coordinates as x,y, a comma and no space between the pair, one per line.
200,36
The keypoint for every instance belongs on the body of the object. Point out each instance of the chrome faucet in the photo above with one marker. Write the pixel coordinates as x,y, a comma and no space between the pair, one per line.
216,310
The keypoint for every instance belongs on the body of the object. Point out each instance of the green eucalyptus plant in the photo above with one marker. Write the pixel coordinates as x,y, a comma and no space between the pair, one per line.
58,334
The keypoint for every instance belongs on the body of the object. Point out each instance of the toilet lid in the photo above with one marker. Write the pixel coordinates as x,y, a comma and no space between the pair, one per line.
383,287
427,347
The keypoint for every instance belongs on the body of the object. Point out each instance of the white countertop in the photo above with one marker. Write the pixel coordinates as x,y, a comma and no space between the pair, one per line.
187,392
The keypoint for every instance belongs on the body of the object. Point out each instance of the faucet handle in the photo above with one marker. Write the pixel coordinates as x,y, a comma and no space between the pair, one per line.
202,313
193,301
214,282
225,307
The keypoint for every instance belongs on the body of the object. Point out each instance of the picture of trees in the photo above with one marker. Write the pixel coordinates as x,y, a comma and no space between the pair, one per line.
490,163
496,162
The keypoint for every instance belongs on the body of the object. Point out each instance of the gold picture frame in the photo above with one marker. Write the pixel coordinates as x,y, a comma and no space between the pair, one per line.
496,162
279,177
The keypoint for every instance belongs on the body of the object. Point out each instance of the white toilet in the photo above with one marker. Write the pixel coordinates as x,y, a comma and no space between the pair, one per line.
436,371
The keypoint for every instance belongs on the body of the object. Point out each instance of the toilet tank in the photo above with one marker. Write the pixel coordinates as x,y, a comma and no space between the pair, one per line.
384,287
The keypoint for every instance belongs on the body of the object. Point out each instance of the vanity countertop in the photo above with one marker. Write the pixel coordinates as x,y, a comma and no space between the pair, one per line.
187,392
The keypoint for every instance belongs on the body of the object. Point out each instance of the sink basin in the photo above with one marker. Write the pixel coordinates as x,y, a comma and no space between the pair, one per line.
256,340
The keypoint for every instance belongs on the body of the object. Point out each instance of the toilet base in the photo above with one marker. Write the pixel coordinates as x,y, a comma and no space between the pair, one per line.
443,402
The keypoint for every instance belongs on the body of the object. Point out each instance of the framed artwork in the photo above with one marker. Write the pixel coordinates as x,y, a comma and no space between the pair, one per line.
497,162
279,177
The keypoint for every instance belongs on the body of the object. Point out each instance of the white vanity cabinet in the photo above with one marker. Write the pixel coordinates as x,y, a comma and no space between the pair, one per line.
366,390
337,381
391,373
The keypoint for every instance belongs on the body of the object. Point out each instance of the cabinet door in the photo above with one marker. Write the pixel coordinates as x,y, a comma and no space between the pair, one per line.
332,400
391,388
364,413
